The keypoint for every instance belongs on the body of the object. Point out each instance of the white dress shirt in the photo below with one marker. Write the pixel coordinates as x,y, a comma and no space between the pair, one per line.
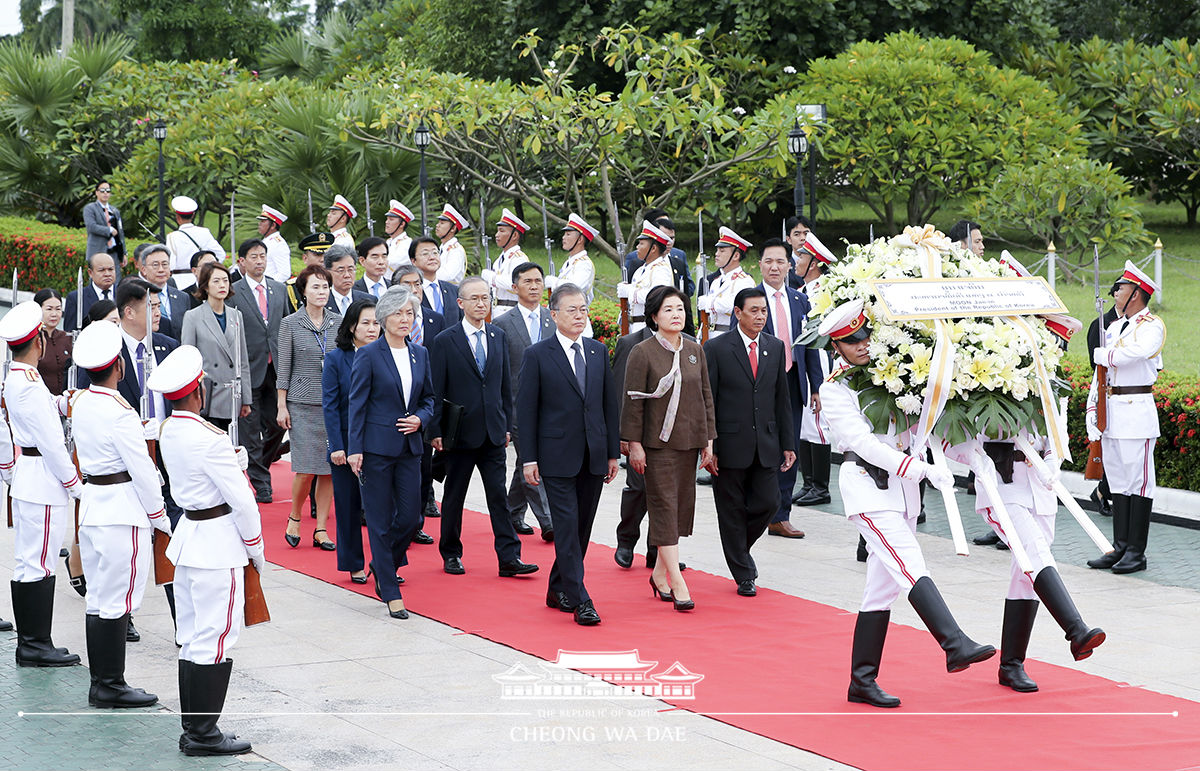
404,368
471,332
341,301
567,346
131,345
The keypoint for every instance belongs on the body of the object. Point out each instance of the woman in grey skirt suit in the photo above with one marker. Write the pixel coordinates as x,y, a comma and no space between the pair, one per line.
216,329
304,339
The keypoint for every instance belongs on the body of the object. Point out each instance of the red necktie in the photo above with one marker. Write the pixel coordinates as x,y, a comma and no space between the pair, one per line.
754,358
262,300
781,330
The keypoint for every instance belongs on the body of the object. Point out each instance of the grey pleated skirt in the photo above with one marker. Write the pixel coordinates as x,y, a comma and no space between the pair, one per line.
310,446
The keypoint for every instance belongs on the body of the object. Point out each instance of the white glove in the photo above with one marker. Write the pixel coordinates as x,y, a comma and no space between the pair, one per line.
150,428
1093,430
1047,474
162,523
1100,356
243,460
551,282
75,489
623,290
487,274
257,561
940,477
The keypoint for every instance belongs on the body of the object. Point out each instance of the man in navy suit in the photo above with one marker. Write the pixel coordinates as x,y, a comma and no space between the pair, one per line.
439,296
154,267
570,443
102,271
787,309
340,262
471,370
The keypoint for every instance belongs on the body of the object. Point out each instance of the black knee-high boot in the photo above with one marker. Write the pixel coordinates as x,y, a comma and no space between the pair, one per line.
1049,586
870,631
1014,643
961,651
1120,522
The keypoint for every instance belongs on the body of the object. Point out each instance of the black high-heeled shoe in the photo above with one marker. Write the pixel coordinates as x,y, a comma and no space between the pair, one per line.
292,540
323,545
401,614
358,579
659,593
683,604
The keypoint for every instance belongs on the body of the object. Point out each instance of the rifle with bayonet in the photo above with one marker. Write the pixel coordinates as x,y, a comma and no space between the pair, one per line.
367,198
3,407
1095,459
547,240
235,387
701,280
312,224
74,560
624,301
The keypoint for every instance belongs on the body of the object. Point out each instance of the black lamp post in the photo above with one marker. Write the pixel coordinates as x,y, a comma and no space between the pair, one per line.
160,133
798,145
815,114
421,137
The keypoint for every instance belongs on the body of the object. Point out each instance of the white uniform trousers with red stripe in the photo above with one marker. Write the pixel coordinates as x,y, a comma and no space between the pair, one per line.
1129,466
1037,533
208,612
814,428
38,532
894,559
116,561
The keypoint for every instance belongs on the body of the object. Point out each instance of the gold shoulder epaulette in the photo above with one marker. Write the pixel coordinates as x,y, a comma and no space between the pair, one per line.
837,373
212,428
32,375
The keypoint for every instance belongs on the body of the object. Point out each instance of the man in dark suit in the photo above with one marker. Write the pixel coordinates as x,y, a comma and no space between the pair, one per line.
440,296
755,440
106,234
524,325
787,310
102,272
470,370
340,261
154,267
262,302
373,256
567,407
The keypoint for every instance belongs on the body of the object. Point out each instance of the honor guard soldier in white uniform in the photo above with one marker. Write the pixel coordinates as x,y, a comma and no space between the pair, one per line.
1132,353
878,483
653,249
122,499
395,228
44,481
813,454
188,239
510,232
578,269
454,256
717,302
279,255
7,461
338,221
219,534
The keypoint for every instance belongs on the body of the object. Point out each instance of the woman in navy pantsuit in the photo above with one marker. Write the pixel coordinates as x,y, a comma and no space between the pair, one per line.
391,402
358,328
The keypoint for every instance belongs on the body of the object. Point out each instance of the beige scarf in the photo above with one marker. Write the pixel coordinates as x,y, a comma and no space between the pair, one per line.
673,381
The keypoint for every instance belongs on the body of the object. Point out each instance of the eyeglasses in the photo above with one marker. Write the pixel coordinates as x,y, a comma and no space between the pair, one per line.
343,271
477,298
574,310
159,264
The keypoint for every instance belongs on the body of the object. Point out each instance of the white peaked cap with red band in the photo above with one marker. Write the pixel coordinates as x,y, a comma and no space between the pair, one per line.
340,202
450,213
182,204
98,346
1062,325
1013,264
397,209
179,374
21,323
513,221
274,215
1135,275
653,233
843,321
813,246
577,223
729,238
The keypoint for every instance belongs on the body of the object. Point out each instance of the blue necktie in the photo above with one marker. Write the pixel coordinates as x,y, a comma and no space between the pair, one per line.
579,370
164,304
534,327
480,357
377,290
437,298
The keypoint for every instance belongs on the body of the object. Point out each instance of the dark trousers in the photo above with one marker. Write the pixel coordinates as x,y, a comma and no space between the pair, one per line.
427,475
573,502
260,434
745,498
521,495
787,479
489,459
633,509
390,485
348,513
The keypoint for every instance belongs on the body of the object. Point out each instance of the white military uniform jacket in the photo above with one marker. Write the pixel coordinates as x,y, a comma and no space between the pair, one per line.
109,439
185,241
645,278
1134,359
397,252
500,278
33,413
342,236
852,431
454,262
279,257
580,271
204,472
718,300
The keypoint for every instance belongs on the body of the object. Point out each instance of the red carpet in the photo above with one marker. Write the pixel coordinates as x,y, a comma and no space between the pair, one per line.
777,665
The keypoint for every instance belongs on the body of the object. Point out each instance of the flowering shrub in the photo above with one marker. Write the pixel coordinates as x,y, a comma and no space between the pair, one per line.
606,322
1178,402
45,256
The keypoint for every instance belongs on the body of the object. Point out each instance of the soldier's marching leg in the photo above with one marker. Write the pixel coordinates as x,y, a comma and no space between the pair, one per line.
206,686
1137,533
870,632
1120,522
1050,588
961,651
1019,616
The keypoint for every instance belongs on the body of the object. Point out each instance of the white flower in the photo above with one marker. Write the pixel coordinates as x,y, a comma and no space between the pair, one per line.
698,33
789,70
909,403
739,111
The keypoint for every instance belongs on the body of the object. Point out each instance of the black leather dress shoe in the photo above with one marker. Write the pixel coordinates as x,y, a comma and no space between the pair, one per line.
559,601
517,568
131,633
262,496
431,510
586,615
423,538
454,566
624,556
523,528
989,539
548,535
817,496
747,589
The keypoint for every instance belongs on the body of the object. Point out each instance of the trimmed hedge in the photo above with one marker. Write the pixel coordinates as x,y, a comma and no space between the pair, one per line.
45,256
1178,401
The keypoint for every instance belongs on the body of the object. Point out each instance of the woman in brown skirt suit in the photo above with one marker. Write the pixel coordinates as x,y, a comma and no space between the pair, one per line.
667,420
